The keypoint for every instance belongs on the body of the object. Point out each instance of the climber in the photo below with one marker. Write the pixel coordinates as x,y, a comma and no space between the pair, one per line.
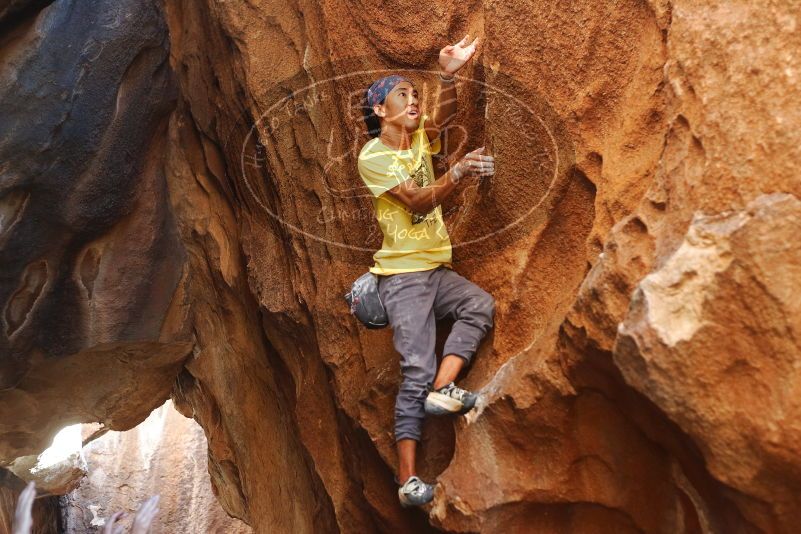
416,280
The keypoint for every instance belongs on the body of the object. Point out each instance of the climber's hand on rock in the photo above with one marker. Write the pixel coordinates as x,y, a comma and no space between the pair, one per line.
23,519
474,164
453,57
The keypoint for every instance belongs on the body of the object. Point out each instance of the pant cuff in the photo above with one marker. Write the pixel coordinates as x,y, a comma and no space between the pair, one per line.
467,357
399,437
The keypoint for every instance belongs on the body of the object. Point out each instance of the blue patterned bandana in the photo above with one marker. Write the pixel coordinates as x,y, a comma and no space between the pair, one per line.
381,88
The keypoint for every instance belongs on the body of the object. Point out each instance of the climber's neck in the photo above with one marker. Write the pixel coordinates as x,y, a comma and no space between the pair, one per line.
396,137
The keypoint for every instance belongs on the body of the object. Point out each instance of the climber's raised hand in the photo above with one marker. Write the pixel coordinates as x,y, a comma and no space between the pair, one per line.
23,518
474,163
453,57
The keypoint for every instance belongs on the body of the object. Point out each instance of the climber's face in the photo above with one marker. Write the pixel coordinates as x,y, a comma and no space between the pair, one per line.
400,107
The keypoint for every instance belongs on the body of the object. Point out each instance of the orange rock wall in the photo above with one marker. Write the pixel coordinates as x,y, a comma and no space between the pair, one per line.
641,373
670,109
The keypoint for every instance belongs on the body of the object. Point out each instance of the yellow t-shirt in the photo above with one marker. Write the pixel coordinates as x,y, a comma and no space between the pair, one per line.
412,242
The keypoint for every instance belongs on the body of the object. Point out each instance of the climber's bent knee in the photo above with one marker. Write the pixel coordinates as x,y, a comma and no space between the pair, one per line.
485,306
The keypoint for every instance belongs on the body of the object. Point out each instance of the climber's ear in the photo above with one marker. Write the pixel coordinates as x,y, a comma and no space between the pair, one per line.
379,110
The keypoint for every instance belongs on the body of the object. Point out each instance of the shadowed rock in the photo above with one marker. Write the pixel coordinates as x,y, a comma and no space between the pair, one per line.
89,255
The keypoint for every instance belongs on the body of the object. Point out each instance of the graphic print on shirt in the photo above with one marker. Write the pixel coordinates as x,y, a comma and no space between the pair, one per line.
422,177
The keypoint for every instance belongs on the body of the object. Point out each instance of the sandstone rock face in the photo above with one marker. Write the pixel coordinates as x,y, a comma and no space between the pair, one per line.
164,455
59,468
710,338
89,255
645,177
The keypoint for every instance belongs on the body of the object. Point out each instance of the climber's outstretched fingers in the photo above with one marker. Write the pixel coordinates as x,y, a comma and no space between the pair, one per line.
475,163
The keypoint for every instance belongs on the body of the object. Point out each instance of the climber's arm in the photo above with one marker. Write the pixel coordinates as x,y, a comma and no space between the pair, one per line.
446,106
451,59
424,199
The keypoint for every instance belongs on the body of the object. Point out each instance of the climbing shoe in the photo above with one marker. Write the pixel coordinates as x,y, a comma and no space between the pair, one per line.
449,399
415,492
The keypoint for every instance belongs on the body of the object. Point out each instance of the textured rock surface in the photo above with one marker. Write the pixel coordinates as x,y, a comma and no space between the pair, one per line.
164,455
59,468
659,190
89,258
711,337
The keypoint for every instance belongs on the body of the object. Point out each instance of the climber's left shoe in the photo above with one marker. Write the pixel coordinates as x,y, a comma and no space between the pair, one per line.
449,399
415,492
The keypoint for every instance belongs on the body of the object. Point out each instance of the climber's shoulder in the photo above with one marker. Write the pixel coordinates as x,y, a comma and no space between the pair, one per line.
370,148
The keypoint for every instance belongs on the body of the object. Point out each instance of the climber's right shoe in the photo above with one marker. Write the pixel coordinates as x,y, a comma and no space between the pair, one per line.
449,399
415,492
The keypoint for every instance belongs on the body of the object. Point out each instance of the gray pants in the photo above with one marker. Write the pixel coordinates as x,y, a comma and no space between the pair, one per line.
414,301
